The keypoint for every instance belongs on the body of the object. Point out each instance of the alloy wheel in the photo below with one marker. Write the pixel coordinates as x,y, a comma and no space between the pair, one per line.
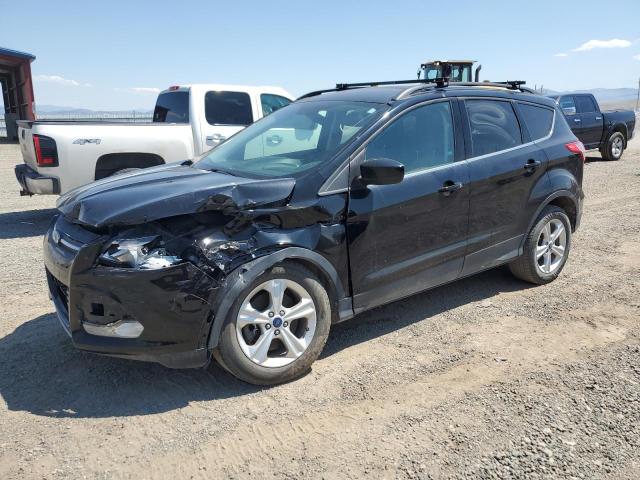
276,323
616,147
551,246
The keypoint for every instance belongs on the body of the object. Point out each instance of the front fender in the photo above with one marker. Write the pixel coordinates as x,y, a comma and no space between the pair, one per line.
242,276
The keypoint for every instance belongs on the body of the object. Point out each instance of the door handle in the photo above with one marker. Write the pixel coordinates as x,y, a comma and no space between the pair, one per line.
215,139
598,118
274,140
449,186
532,164
577,120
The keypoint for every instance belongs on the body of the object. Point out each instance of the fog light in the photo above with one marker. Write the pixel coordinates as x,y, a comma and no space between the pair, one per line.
121,329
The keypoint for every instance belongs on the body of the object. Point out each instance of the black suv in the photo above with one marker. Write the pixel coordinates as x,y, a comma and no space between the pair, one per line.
345,200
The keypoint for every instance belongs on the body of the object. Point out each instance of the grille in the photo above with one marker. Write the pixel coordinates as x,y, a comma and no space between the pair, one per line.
60,292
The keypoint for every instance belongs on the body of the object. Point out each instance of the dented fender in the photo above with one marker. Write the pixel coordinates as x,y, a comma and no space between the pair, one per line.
242,277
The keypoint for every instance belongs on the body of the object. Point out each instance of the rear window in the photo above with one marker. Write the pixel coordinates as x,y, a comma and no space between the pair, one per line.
172,107
585,104
228,108
539,120
494,126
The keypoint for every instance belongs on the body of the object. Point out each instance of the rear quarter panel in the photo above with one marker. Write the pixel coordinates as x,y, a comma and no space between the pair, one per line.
77,159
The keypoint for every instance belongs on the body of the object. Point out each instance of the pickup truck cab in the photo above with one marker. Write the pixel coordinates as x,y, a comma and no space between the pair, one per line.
187,121
608,132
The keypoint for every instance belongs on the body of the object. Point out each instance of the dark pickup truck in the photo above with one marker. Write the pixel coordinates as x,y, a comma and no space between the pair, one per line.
608,132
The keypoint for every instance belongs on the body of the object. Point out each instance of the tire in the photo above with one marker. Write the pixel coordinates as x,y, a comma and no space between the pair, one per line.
124,171
280,363
613,147
537,250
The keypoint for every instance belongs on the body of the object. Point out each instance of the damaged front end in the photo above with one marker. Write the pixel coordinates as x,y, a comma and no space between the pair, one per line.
148,276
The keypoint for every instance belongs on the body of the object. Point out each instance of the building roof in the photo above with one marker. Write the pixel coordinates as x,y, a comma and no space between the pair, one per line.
7,52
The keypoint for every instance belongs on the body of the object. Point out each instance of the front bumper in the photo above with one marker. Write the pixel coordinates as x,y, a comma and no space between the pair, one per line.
32,182
172,304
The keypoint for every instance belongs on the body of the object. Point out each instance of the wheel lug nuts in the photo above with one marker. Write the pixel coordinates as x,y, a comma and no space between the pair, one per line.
281,312
267,326
277,332
285,324
271,314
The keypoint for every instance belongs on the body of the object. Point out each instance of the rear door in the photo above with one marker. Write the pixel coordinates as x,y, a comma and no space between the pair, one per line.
225,113
504,168
591,123
407,237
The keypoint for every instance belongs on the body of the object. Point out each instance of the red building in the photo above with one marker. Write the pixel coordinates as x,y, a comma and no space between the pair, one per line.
17,88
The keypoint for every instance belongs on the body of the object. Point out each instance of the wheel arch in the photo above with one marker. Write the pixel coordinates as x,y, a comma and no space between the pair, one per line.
564,199
108,164
620,127
247,273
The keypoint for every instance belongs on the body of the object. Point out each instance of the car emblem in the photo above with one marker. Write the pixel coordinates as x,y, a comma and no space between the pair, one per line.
84,141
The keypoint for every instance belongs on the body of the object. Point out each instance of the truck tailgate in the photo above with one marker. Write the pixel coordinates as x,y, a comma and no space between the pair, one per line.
25,137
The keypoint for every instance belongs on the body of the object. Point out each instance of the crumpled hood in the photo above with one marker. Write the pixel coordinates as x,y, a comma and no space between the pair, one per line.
168,191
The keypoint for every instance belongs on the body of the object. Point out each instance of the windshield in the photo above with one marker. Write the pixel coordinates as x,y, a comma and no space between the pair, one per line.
292,140
455,73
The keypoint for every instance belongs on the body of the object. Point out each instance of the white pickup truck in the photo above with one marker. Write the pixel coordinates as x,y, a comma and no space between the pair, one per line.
187,121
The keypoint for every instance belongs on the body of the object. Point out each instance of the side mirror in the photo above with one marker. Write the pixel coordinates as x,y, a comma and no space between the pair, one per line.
569,110
381,171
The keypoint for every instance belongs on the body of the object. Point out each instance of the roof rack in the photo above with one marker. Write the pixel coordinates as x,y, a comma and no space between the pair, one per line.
439,82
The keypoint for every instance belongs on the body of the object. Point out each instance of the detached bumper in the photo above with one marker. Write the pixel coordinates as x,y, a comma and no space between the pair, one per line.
171,304
31,182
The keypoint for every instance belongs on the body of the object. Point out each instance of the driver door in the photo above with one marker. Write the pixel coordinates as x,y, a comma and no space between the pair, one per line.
407,237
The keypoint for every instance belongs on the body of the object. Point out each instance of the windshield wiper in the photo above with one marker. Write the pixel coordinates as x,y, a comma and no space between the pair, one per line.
217,170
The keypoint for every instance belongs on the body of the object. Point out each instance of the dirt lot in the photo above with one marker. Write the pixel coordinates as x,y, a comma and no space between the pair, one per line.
484,378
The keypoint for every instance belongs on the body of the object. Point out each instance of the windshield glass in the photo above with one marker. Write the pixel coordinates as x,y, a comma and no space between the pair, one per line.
292,140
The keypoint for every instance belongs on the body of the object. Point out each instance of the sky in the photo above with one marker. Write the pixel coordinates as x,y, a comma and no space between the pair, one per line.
115,55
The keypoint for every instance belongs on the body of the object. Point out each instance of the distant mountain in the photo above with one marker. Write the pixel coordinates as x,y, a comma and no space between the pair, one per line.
56,109
603,94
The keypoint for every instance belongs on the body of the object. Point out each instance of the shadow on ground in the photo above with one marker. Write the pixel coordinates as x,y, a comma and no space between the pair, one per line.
594,158
26,223
43,374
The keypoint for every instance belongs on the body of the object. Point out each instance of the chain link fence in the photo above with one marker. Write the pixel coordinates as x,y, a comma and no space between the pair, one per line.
133,116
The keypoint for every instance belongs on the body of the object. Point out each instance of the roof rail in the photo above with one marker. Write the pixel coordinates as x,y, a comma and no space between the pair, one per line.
439,82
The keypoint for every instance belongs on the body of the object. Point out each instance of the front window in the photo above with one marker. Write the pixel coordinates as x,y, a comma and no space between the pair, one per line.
567,105
292,140
271,103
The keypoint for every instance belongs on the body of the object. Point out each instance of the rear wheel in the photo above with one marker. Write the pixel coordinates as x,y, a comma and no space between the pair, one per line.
614,146
277,327
546,248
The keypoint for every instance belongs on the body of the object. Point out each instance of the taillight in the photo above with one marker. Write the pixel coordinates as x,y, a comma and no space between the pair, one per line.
46,151
578,148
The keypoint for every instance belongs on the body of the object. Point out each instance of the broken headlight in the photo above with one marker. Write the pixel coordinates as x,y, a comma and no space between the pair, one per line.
145,253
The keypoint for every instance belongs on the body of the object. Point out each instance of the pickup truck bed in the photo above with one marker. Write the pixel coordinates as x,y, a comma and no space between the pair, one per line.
188,120
99,149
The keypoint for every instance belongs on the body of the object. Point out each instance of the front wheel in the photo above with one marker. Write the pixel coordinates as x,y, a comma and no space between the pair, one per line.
546,248
277,327
613,147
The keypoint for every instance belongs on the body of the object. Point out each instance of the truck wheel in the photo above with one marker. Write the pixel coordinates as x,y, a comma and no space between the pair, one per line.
614,146
546,248
124,171
276,327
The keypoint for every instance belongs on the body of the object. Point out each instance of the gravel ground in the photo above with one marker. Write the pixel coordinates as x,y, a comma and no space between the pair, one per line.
487,377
